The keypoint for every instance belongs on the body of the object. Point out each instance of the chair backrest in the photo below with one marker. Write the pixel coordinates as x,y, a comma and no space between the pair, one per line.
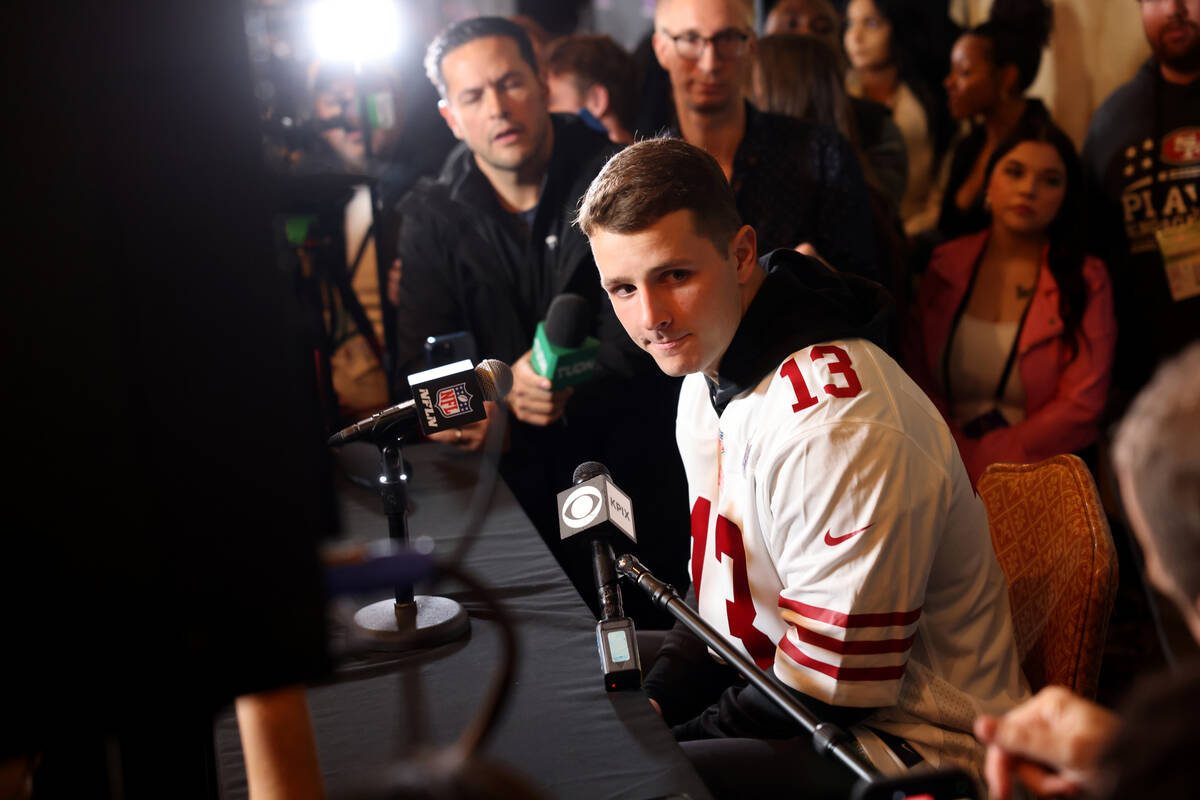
1053,543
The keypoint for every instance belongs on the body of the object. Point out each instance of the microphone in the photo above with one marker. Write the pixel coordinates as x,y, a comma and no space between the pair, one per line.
444,398
562,349
594,507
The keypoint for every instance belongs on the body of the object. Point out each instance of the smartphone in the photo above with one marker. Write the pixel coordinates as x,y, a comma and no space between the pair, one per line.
448,348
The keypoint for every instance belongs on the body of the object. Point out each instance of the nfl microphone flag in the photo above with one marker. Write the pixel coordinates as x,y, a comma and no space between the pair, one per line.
447,397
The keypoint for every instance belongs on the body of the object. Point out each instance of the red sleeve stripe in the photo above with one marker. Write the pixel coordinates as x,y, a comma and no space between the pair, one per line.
891,673
885,619
859,647
700,512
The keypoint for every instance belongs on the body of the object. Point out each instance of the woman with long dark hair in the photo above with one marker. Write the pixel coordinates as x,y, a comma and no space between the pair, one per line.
1013,331
884,42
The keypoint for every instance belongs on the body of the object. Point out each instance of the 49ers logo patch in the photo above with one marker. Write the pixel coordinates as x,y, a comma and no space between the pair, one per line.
1182,146
454,400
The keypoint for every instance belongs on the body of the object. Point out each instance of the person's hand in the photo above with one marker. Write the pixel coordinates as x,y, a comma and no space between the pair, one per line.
807,249
393,282
469,437
1049,743
531,399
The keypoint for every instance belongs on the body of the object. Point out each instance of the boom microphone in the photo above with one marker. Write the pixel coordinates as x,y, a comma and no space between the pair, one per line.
444,398
562,349
594,507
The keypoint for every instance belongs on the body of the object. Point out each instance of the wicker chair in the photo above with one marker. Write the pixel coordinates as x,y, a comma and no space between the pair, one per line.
1053,543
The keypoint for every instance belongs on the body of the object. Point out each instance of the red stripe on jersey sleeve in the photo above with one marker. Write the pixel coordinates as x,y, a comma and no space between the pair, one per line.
890,673
854,648
700,512
850,620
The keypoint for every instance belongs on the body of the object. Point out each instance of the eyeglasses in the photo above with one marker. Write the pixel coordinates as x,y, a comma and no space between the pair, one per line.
727,44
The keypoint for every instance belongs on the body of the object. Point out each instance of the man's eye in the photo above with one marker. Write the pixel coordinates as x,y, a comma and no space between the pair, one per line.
678,275
691,38
623,290
470,98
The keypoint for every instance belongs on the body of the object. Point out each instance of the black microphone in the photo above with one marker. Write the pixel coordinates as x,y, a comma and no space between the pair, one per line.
444,398
595,507
562,350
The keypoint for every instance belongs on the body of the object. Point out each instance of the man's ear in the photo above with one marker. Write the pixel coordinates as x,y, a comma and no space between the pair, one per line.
451,121
744,249
662,49
596,100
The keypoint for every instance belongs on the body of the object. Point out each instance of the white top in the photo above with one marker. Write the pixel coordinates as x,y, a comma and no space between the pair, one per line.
910,118
978,353
837,539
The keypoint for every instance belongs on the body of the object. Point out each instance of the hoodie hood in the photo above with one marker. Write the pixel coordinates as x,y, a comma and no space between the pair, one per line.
802,302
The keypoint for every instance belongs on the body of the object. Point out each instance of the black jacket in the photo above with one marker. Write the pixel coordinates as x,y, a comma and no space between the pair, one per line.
467,264
797,182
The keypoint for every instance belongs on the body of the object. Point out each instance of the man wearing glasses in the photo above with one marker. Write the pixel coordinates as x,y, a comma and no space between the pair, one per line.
799,185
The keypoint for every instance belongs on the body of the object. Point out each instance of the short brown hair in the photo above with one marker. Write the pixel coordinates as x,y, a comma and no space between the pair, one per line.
653,178
596,59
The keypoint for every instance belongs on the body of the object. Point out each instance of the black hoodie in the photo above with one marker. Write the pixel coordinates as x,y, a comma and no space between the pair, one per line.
802,302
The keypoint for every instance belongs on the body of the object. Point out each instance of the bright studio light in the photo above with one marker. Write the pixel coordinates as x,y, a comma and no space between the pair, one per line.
354,31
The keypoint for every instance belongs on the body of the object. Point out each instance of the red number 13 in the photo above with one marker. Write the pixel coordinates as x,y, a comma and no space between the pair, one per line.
840,365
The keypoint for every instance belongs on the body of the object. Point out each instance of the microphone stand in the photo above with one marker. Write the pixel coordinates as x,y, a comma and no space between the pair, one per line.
828,739
410,621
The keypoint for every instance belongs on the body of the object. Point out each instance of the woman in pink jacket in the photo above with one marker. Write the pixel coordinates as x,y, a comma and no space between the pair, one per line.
1013,328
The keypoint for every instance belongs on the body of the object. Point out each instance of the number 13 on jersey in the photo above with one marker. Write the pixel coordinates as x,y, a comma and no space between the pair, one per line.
838,365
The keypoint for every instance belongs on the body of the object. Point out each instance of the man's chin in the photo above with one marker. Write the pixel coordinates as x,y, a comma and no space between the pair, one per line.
714,105
1186,61
673,367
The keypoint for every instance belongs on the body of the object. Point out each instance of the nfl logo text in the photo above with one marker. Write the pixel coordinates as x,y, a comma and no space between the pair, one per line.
454,400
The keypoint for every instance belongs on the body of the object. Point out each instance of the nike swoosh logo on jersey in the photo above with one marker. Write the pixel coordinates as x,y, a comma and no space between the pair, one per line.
832,540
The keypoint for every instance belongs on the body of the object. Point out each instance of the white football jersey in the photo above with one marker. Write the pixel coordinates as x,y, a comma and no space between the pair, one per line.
836,537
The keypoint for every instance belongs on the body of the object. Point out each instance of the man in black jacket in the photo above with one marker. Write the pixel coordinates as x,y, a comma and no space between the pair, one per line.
799,185
487,246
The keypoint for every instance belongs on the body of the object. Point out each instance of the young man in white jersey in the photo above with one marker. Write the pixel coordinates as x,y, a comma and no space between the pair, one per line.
836,539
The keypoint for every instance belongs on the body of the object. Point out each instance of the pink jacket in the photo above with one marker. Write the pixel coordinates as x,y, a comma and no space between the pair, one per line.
1063,400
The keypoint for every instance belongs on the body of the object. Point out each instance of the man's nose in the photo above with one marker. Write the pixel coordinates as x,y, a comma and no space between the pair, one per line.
708,61
494,102
654,312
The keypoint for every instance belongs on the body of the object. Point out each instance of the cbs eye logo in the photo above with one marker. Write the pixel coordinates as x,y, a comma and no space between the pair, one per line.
582,506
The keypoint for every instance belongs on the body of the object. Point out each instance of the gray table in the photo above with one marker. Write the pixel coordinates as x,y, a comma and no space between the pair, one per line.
560,728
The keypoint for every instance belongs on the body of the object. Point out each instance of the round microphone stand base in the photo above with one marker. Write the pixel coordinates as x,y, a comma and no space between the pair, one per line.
426,622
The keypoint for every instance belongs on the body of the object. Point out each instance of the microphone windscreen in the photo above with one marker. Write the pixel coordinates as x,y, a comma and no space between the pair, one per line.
588,470
568,320
495,379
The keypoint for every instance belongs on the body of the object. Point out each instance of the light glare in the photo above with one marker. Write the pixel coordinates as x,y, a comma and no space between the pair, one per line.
354,31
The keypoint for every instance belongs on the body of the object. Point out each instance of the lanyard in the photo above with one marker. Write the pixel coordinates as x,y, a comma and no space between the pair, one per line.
1012,353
